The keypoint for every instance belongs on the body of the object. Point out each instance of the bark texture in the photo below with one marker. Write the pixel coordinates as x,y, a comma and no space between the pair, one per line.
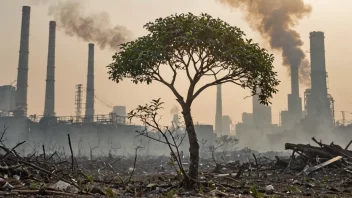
193,149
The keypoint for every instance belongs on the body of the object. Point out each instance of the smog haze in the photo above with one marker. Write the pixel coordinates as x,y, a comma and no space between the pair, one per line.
126,20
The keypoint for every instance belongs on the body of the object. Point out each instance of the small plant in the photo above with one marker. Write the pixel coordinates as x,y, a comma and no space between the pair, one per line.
170,194
255,192
201,190
109,192
90,179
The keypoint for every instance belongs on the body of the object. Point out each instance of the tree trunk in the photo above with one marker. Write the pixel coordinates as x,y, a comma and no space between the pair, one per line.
193,150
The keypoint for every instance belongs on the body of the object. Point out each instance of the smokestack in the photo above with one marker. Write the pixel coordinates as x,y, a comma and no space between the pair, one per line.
319,112
22,73
218,116
320,105
294,101
294,80
49,109
318,68
89,115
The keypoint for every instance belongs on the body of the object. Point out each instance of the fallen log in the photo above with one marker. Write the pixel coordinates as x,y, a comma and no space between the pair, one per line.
309,150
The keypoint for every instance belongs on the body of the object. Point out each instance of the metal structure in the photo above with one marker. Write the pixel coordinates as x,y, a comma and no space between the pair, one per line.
90,85
97,119
218,115
307,94
49,108
22,73
78,102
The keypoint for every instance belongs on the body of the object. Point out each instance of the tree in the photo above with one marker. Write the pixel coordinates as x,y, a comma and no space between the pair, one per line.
199,47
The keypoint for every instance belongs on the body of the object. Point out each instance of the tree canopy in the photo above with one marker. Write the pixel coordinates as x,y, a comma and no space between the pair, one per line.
203,44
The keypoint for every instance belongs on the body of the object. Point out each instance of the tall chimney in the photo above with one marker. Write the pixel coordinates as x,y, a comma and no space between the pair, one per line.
49,108
218,116
22,73
319,105
294,101
89,115
318,67
294,80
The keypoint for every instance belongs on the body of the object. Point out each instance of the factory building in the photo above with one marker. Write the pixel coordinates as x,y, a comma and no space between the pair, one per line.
261,114
257,124
226,125
7,98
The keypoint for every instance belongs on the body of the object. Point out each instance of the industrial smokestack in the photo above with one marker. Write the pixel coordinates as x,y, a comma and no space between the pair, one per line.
22,73
89,115
318,68
319,103
294,101
218,116
294,80
49,109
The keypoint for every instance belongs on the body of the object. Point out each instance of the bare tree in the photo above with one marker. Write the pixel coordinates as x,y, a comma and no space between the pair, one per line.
91,151
148,114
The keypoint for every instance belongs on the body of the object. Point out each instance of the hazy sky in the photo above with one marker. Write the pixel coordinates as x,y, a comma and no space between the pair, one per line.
332,17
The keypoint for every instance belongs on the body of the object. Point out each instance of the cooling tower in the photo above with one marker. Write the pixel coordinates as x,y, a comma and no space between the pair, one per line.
218,115
89,115
49,108
22,73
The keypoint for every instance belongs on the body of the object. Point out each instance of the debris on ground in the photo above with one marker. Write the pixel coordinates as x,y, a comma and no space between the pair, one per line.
325,169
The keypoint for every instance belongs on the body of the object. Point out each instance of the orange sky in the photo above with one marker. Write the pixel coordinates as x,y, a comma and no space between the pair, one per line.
332,17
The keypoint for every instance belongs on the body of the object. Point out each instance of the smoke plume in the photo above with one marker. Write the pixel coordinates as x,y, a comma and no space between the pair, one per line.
174,110
274,20
95,28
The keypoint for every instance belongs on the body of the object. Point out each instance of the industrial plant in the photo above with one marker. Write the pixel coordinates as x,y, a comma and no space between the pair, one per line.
92,128
316,119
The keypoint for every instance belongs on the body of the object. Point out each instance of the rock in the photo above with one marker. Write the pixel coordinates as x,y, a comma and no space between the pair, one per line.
60,185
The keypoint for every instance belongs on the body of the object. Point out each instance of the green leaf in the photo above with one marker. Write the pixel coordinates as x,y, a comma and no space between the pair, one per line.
222,46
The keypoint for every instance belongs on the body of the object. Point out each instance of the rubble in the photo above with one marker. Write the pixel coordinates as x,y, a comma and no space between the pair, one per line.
309,170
